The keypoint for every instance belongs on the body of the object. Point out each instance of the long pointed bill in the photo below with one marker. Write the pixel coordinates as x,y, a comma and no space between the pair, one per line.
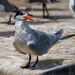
30,18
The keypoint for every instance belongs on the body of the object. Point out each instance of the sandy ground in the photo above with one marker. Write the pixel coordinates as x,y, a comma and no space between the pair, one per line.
59,54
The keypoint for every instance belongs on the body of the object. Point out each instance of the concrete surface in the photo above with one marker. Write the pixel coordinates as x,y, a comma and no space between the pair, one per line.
59,55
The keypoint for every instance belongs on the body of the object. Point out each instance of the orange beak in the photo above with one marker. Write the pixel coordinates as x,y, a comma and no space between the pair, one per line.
30,18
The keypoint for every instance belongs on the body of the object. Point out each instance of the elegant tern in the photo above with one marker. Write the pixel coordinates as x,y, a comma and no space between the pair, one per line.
30,41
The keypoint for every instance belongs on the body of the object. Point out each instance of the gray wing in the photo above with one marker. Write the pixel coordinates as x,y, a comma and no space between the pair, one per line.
39,42
8,6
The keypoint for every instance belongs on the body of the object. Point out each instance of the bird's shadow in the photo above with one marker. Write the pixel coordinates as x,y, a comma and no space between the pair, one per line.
7,34
49,9
56,17
7,23
47,64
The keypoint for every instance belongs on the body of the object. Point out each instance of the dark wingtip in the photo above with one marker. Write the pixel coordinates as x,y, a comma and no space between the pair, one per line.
61,31
58,35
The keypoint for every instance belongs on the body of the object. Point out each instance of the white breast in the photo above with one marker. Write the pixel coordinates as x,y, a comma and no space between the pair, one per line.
20,39
21,43
71,5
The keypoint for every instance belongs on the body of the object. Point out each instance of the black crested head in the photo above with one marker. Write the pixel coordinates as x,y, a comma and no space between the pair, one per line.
21,12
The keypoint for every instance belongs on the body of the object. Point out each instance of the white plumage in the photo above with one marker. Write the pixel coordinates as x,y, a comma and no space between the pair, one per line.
30,41
72,7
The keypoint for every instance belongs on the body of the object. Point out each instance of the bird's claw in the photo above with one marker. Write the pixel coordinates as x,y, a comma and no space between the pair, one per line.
45,16
48,17
23,67
33,66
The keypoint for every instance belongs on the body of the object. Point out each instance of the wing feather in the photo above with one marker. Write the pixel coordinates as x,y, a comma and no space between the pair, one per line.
39,42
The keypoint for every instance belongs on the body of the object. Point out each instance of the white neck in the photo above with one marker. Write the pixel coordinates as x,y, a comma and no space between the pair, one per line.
71,2
22,24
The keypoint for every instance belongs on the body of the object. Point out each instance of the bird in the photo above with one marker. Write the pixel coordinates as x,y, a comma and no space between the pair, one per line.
6,7
43,5
72,7
30,41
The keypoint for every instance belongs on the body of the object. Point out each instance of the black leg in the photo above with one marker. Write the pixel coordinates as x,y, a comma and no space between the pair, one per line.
9,19
47,10
43,9
28,64
35,62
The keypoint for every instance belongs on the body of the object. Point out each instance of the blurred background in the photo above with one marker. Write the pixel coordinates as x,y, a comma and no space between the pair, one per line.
58,15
